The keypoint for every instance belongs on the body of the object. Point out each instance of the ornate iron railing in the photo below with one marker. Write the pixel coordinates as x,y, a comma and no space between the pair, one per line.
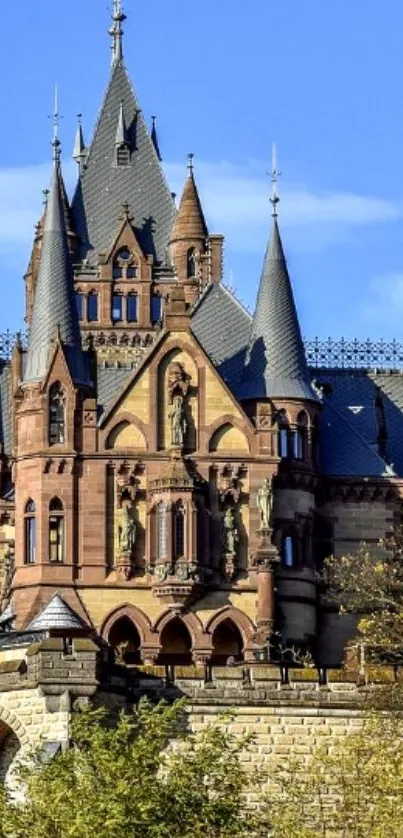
329,354
354,354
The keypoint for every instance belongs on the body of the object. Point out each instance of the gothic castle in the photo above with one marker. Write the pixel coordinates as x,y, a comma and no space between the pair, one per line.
173,471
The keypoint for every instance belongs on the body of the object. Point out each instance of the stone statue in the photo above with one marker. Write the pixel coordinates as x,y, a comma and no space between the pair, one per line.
230,532
127,531
265,503
178,421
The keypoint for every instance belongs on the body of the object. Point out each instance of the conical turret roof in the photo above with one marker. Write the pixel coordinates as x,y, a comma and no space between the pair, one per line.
275,362
56,615
190,222
54,311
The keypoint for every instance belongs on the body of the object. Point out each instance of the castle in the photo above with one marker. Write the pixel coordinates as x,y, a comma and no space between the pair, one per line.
173,472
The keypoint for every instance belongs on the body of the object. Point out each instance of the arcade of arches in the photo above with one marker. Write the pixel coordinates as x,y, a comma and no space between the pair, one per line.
178,640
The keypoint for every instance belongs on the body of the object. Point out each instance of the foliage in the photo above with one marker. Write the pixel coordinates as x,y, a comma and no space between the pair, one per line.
352,789
370,584
145,776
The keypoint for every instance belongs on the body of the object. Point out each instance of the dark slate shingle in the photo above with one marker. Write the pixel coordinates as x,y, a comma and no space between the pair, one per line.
104,187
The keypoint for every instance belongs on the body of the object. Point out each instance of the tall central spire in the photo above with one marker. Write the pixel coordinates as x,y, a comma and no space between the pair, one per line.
116,31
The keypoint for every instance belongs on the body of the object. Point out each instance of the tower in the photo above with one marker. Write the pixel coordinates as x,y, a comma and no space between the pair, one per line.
276,391
51,399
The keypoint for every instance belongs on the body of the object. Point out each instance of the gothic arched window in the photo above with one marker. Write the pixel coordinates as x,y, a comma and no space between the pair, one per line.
30,533
117,307
162,530
191,263
92,306
300,436
288,553
156,308
56,531
179,530
131,308
80,300
57,414
283,435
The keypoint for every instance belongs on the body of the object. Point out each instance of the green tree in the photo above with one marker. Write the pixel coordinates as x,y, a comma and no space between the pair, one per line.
351,789
145,776
370,584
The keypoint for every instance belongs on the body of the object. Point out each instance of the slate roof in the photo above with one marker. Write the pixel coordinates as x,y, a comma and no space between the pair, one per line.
6,416
54,307
222,326
343,451
351,394
56,615
110,382
276,364
103,186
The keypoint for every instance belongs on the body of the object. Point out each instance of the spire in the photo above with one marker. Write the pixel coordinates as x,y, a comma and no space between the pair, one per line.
121,132
116,31
275,174
79,144
154,137
190,222
275,364
54,312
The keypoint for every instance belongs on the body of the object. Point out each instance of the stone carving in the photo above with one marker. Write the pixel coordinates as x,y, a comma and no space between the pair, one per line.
230,532
178,421
265,503
8,573
127,531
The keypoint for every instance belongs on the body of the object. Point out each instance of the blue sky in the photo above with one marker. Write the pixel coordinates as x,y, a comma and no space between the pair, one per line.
226,78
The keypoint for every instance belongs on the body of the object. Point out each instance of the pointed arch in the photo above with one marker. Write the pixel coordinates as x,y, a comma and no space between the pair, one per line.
137,617
131,431
191,622
225,423
241,620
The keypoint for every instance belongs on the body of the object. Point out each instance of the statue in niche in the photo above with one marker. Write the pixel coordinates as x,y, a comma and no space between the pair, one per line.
265,503
127,531
178,420
230,532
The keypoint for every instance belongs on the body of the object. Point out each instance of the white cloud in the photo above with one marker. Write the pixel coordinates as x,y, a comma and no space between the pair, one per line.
236,201
235,198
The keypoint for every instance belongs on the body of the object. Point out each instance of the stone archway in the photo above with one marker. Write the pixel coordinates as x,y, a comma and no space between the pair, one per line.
227,643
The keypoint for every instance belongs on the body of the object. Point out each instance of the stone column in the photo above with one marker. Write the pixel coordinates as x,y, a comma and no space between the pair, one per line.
267,557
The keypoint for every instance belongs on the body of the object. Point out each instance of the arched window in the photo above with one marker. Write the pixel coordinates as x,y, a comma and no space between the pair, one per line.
156,308
179,530
288,555
191,263
56,531
300,437
124,265
227,644
92,306
117,308
125,641
30,533
57,414
131,308
283,435
162,530
80,299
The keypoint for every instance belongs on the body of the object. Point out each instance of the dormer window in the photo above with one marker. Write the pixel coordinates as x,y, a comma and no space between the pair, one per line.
125,265
123,155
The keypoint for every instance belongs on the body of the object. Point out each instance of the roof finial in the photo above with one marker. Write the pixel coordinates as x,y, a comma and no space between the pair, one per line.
116,31
56,122
275,174
191,167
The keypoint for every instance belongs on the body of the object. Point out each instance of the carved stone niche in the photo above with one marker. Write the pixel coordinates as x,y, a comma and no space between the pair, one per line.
176,501
127,481
178,381
229,484
127,492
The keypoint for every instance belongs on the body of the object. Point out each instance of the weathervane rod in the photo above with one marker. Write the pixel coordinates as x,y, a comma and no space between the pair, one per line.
56,123
116,31
275,174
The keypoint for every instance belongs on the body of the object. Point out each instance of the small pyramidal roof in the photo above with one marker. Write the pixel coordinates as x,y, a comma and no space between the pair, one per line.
275,362
190,222
54,312
56,615
104,185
